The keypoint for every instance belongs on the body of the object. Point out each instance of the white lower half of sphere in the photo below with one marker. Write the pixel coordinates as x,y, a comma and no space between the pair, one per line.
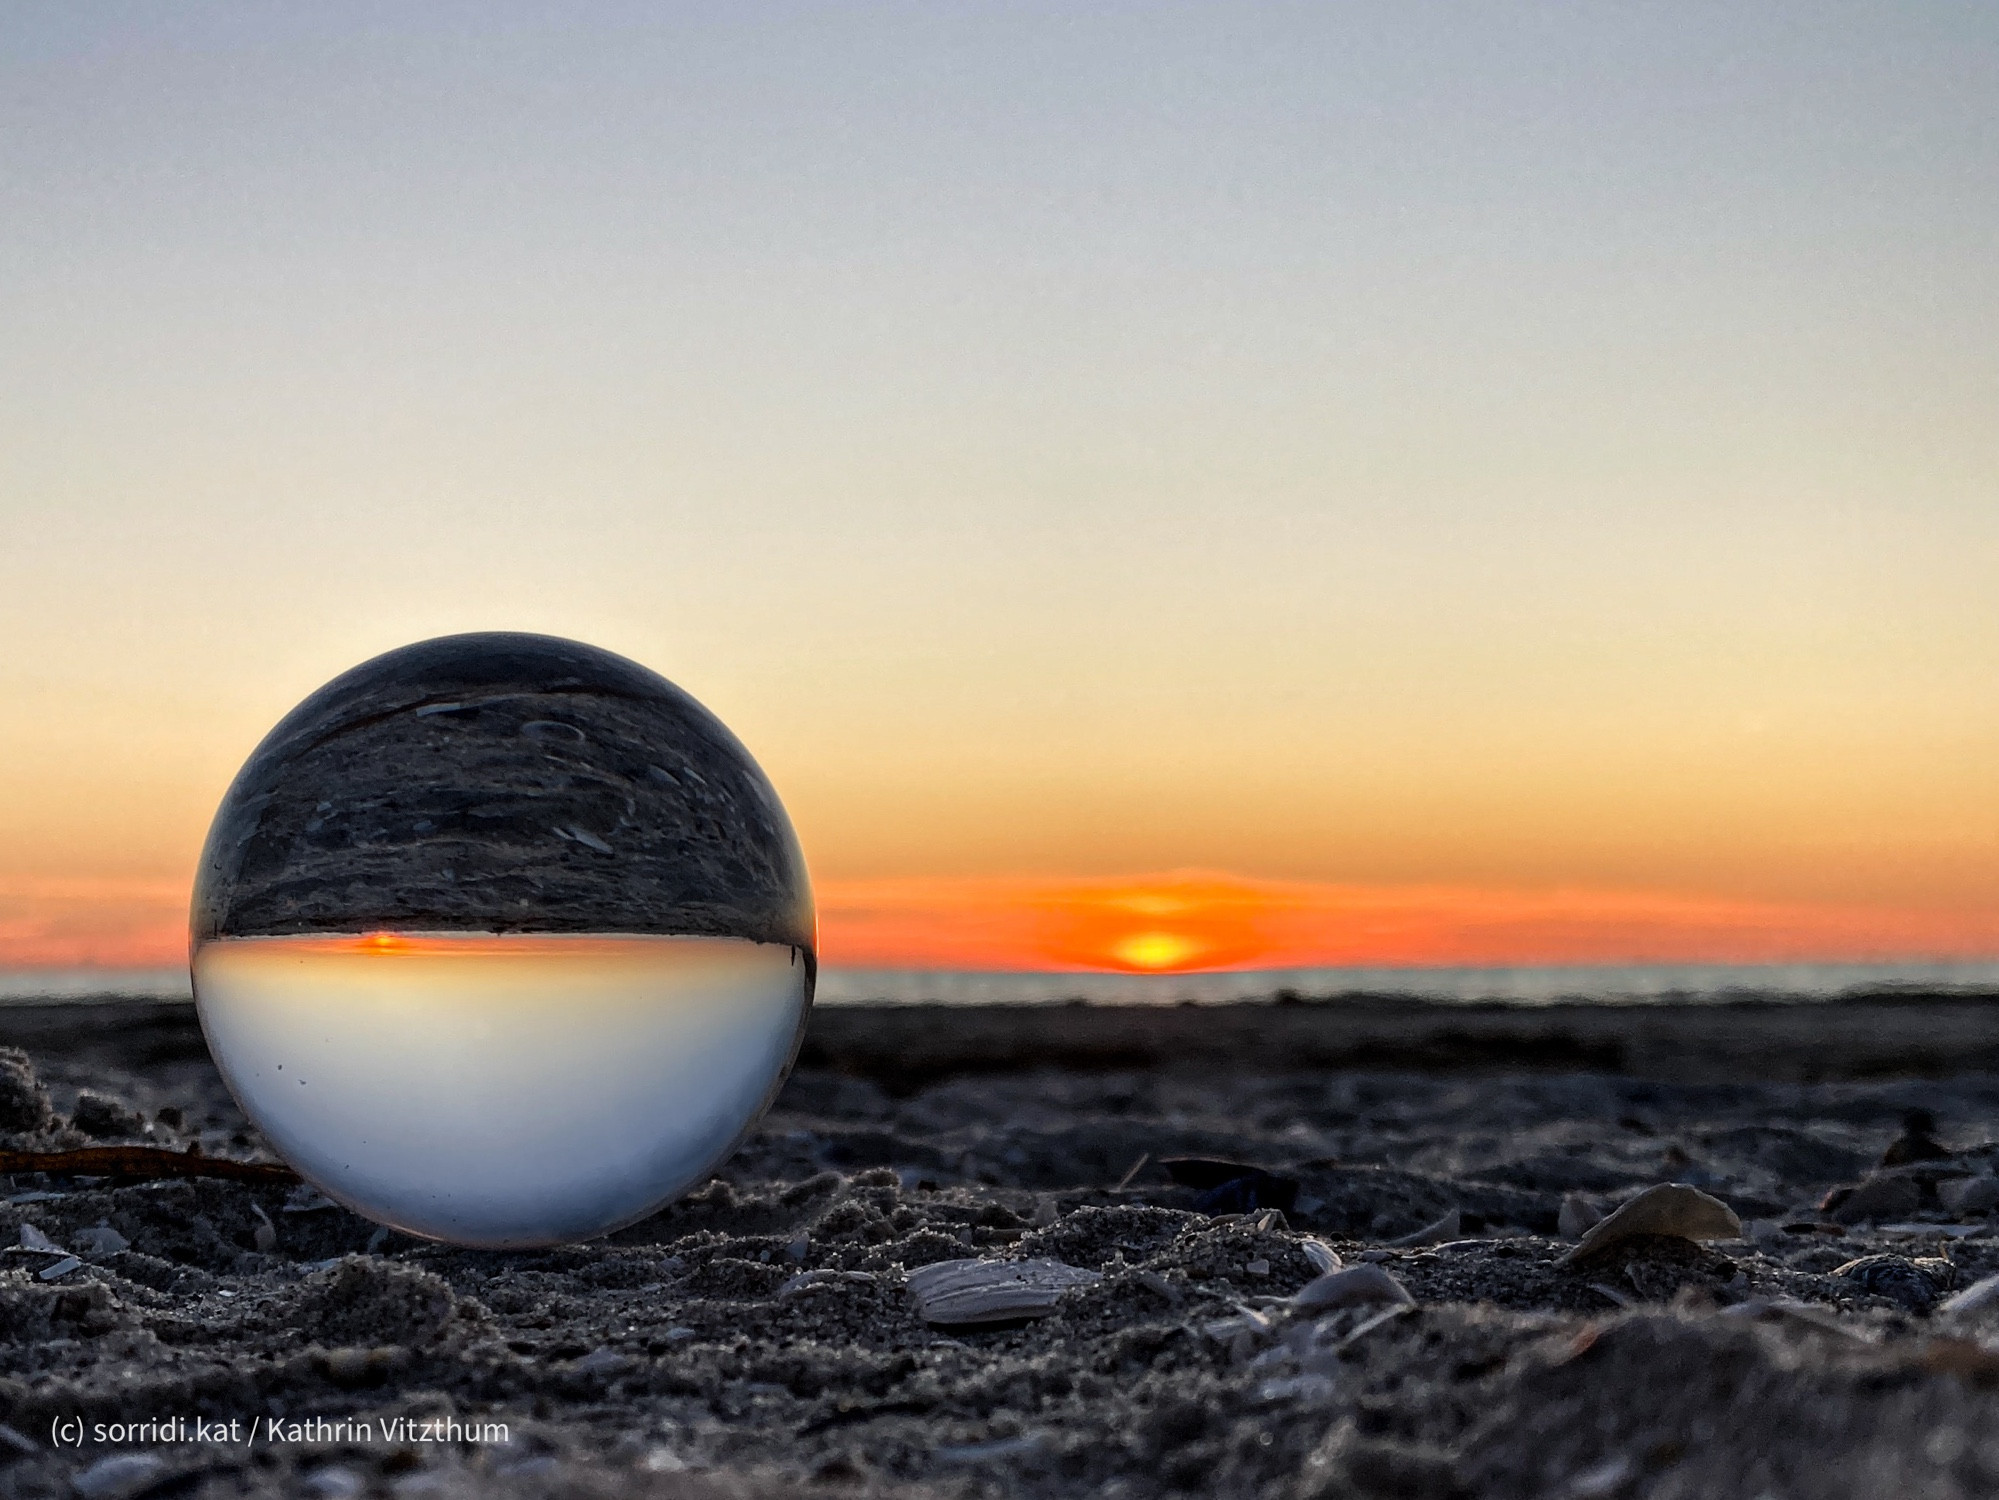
501,1090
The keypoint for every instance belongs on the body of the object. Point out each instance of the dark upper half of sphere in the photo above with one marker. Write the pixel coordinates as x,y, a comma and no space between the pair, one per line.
502,783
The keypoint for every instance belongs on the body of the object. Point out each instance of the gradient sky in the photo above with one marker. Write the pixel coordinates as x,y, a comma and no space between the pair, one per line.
1535,453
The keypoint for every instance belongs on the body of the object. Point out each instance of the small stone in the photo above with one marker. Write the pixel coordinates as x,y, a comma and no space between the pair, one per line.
120,1475
351,1368
1917,1142
1357,1286
1672,1209
1894,1277
32,1238
799,1248
1257,1267
1966,1196
1874,1199
332,1483
24,1103
103,1118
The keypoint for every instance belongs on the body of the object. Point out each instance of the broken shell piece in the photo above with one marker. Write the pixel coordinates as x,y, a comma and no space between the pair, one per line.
100,1239
1671,1209
1356,1286
954,1293
1577,1216
1980,1297
1439,1232
33,1239
1323,1257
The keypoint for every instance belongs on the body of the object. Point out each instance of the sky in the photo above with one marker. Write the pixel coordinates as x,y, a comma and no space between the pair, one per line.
1154,485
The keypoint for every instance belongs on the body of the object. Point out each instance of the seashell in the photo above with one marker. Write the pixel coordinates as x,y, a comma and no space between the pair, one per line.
1356,1286
101,1239
1673,1208
1577,1216
954,1293
1980,1297
33,1239
1323,1257
1439,1232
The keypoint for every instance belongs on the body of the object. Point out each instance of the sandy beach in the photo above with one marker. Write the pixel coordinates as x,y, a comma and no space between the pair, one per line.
761,1337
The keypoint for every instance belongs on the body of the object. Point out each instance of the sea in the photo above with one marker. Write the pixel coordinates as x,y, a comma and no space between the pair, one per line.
1626,984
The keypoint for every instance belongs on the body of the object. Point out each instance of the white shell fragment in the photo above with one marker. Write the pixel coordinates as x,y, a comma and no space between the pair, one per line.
1356,1286
1439,1232
1577,1217
954,1293
1673,1208
1980,1297
101,1239
1324,1257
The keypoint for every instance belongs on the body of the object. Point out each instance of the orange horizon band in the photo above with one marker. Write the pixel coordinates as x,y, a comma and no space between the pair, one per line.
1172,922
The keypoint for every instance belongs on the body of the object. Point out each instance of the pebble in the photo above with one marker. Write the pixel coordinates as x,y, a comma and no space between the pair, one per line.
1915,1285
120,1475
332,1483
1872,1199
604,1361
1970,1195
33,1239
60,1269
967,1292
1671,1209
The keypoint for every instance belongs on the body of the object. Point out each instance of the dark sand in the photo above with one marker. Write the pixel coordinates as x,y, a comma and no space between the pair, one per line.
679,1358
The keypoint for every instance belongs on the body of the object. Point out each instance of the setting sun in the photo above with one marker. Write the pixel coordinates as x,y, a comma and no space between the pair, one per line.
1155,950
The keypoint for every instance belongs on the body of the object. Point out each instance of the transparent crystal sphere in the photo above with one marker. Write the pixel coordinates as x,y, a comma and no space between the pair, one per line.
502,940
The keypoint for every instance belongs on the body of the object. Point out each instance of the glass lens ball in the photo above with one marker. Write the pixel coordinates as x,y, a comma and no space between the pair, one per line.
502,940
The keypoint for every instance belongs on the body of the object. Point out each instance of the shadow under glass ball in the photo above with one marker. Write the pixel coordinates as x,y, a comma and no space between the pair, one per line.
502,940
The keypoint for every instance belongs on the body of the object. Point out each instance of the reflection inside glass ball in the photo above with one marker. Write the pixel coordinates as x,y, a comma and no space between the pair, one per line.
501,1088
502,940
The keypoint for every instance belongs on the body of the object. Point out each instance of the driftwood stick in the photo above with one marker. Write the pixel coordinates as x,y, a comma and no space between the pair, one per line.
144,1163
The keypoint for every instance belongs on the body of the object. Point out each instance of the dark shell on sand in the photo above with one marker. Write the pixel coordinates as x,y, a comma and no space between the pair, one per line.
502,783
